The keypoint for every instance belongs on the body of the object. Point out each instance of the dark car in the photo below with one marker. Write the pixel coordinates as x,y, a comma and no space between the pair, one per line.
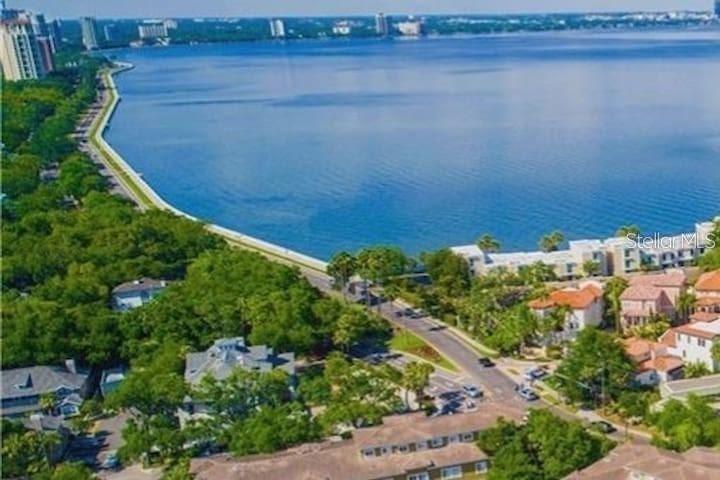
486,362
603,426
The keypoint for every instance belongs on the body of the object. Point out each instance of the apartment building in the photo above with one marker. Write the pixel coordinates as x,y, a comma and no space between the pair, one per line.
585,306
614,256
405,447
152,29
567,264
633,461
23,55
89,33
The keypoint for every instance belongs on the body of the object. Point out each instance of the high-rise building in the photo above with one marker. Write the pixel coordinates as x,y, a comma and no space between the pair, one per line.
21,55
381,25
89,33
152,29
277,28
170,24
110,32
46,48
55,32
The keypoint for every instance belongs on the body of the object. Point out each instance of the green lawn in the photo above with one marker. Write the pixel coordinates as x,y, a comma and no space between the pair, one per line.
408,342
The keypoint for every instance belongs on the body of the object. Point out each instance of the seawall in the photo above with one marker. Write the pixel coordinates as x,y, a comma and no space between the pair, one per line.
147,198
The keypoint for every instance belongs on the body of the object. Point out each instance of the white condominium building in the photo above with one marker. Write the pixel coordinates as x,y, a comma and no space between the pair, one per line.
614,256
567,264
277,28
152,29
89,33
21,55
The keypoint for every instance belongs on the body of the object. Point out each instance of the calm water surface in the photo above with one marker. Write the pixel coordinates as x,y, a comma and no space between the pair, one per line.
329,145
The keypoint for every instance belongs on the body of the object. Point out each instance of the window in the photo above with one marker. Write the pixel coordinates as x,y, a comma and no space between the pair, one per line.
451,472
701,342
481,467
437,442
368,452
468,437
384,451
421,445
418,476
403,449
453,439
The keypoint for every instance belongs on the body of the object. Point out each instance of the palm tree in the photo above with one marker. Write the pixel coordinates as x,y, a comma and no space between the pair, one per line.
685,303
715,352
613,289
487,243
628,231
342,267
590,268
551,241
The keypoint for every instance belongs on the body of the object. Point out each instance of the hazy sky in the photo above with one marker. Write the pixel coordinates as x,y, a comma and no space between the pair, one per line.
197,8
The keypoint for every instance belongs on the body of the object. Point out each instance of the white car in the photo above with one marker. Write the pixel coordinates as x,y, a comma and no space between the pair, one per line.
472,391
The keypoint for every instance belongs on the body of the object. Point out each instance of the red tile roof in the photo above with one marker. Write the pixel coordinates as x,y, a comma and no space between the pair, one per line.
709,281
642,293
577,299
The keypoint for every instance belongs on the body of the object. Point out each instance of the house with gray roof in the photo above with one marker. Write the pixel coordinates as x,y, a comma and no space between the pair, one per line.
136,293
228,354
23,387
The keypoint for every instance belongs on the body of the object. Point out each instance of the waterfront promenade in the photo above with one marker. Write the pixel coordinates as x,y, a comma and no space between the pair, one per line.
145,197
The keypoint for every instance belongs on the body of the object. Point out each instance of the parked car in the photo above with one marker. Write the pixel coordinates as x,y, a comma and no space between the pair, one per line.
603,426
486,362
112,461
535,373
527,394
472,391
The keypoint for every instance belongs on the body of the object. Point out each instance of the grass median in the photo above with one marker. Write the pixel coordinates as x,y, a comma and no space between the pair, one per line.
407,342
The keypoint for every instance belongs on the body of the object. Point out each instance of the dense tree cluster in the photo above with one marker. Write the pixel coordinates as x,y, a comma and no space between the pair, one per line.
68,241
545,448
684,425
595,368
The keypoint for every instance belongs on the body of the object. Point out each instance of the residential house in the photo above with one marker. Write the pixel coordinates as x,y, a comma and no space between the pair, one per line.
638,461
653,361
650,295
228,354
51,424
693,342
680,389
136,293
405,447
224,357
707,292
111,379
585,306
22,389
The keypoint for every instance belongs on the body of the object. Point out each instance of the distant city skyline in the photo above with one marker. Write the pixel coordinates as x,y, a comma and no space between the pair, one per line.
246,8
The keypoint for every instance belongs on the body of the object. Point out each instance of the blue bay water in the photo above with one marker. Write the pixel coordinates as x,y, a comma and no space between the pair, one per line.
327,145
